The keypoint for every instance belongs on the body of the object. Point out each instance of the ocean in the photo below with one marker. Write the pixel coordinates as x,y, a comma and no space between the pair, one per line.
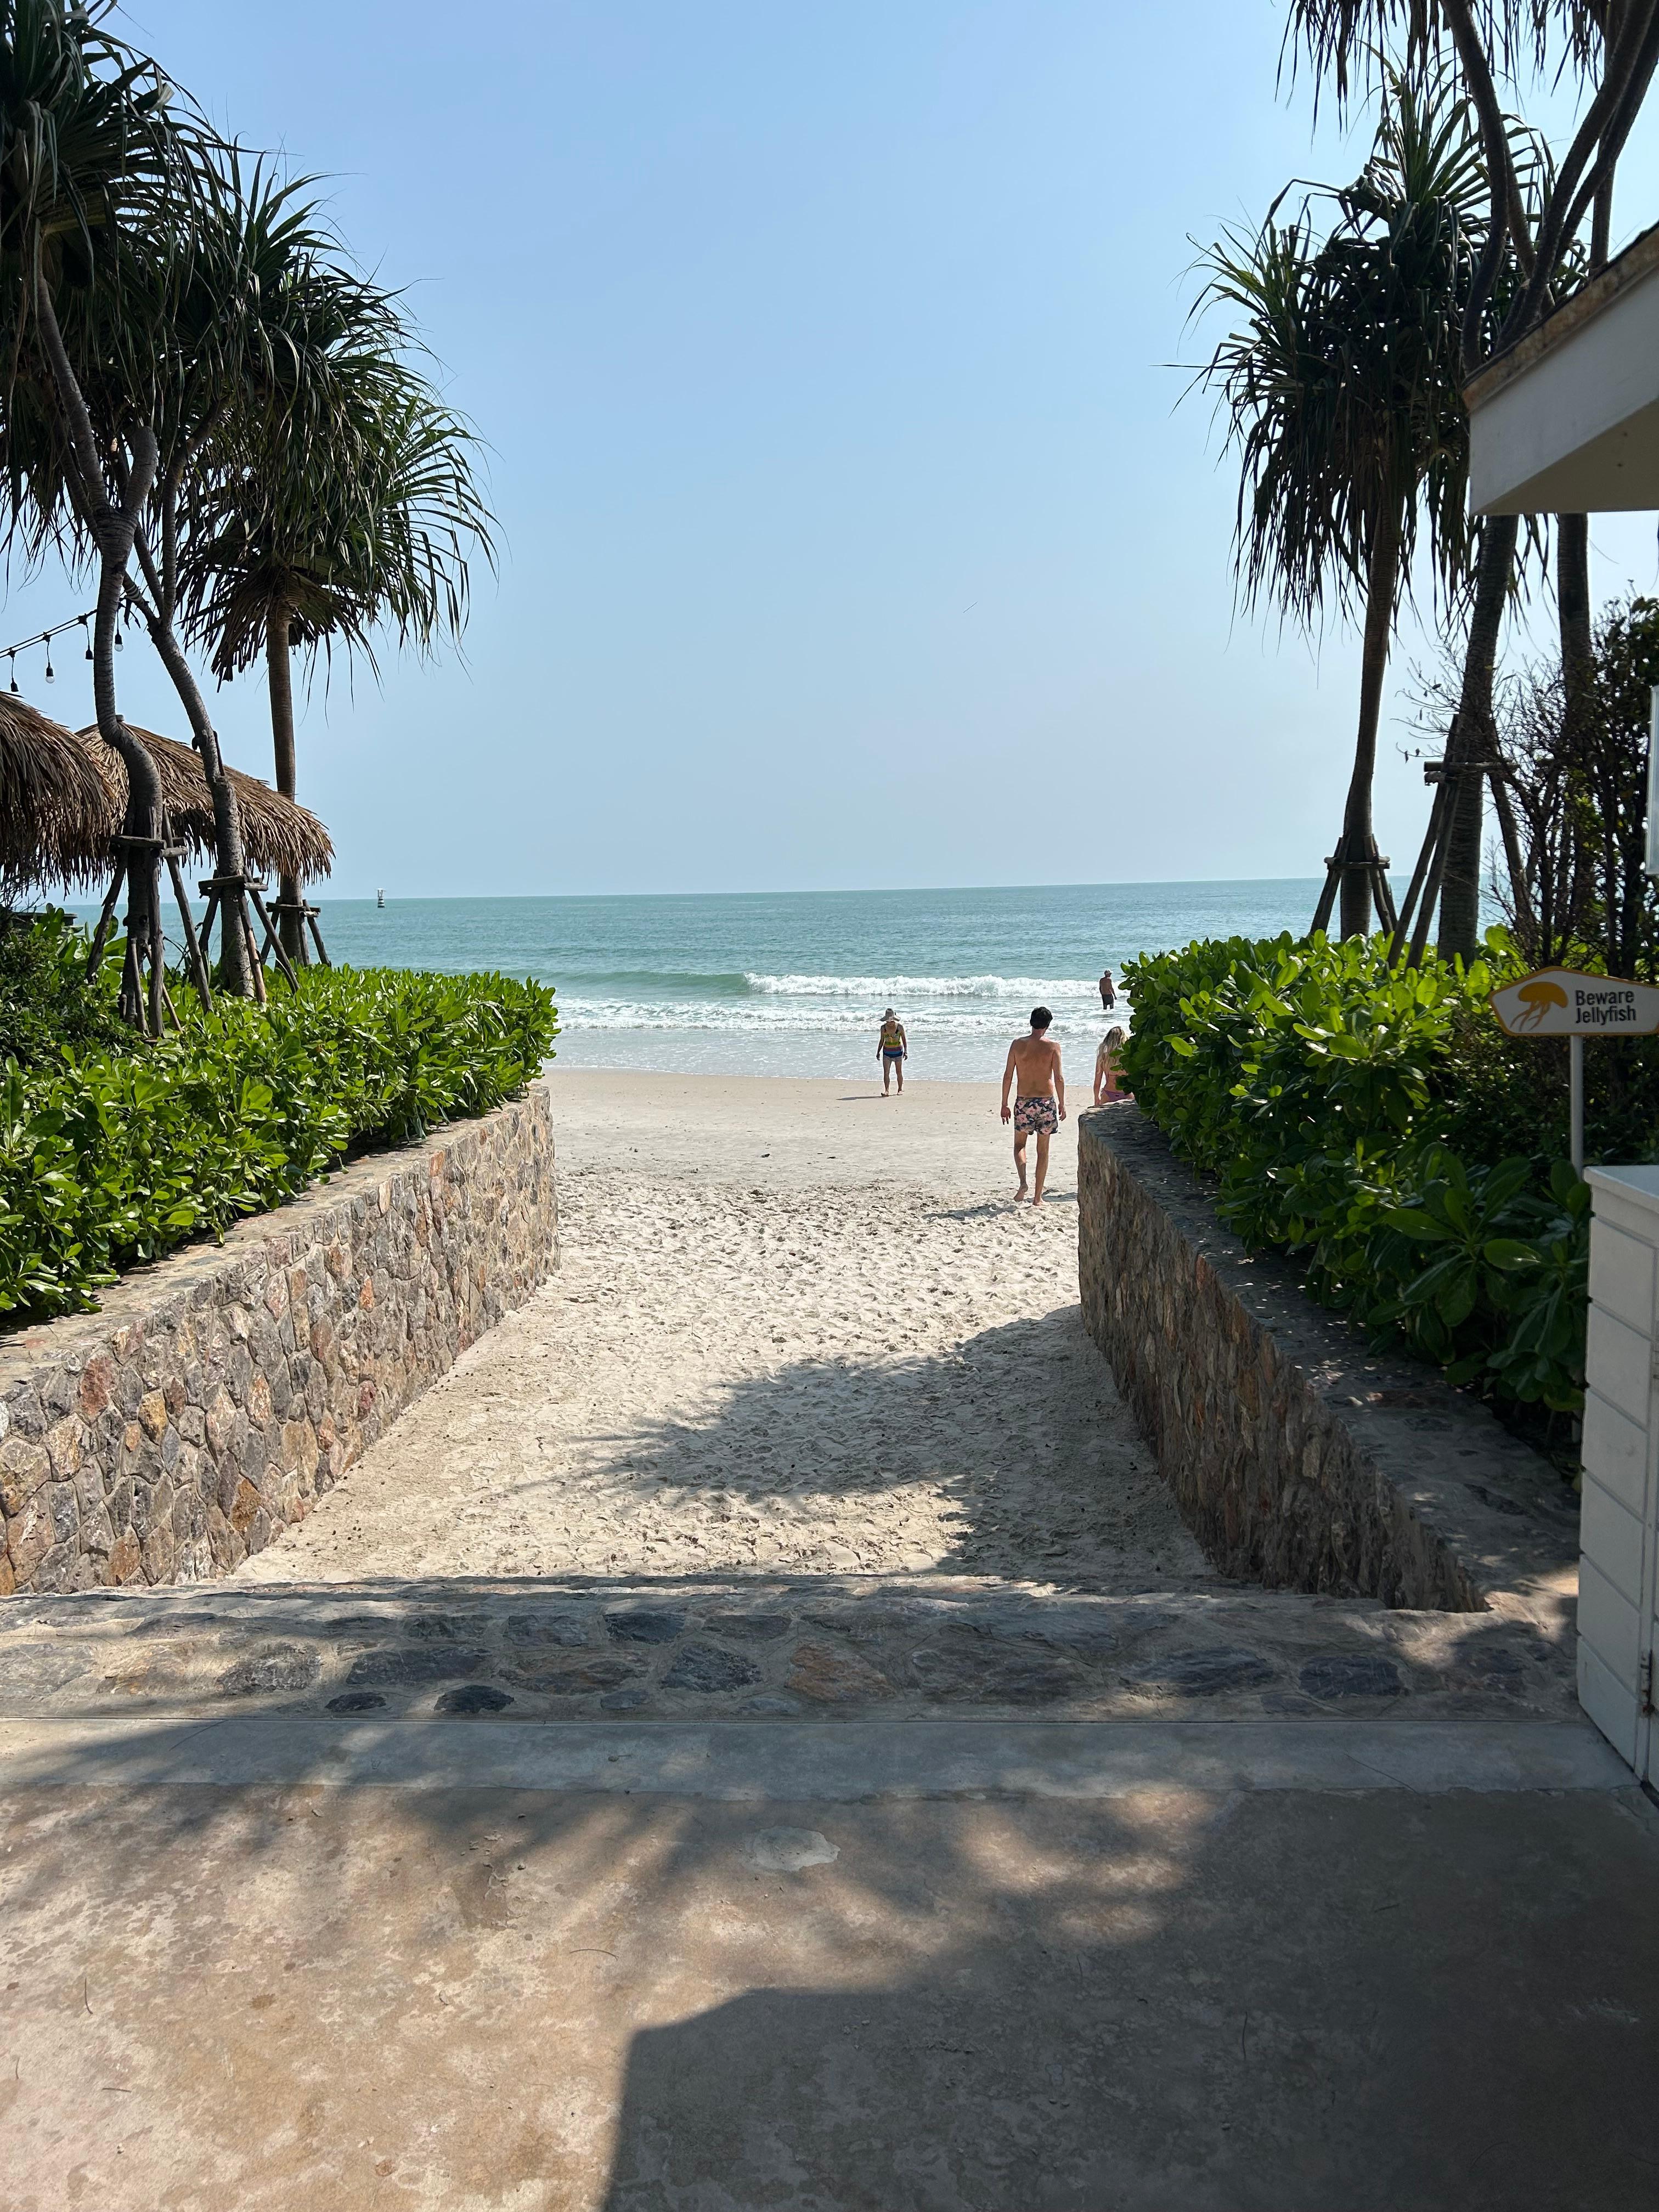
795,982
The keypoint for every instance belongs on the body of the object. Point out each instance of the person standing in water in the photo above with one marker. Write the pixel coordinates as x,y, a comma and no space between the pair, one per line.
1039,1106
1107,991
1108,1090
892,1048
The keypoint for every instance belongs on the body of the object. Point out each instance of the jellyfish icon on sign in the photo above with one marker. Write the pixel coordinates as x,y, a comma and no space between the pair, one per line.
1536,999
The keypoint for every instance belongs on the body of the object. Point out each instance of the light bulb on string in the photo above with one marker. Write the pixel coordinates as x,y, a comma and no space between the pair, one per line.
52,673
87,635
14,672
117,638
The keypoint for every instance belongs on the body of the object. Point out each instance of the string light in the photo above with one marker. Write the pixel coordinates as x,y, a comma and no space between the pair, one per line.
45,637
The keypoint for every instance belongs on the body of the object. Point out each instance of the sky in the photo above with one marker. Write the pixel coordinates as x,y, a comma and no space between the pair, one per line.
855,529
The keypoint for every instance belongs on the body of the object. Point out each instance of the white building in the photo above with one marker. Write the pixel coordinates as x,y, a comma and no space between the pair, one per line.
1567,422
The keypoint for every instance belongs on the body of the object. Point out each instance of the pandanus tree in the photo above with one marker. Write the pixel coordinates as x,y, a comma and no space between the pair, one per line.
233,345
1339,388
1611,47
94,173
351,505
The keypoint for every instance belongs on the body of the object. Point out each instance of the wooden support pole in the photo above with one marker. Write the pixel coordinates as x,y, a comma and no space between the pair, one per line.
157,951
1504,806
1382,891
1425,860
1437,878
100,936
208,914
273,941
323,960
130,997
1333,867
197,960
254,961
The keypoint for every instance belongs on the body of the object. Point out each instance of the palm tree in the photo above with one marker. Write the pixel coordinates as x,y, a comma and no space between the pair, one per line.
94,171
230,337
1530,227
1338,386
351,503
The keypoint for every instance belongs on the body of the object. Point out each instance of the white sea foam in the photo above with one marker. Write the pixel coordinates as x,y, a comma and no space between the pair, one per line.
770,1019
1031,988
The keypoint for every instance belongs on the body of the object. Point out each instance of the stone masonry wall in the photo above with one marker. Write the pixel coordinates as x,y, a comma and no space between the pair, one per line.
219,1394
1297,1455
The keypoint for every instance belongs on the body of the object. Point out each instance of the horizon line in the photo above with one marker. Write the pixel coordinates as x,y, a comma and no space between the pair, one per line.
321,892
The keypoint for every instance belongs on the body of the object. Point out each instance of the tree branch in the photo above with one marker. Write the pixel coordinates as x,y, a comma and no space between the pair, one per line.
1612,104
1508,208
83,437
1613,139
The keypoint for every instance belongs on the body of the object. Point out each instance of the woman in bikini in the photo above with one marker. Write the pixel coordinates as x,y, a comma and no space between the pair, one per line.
892,1048
1108,1090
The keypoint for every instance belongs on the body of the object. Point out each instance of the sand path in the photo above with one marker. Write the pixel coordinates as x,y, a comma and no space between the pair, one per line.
794,1329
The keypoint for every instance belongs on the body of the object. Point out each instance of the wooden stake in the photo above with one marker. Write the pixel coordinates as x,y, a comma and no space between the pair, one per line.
100,936
254,961
198,962
1431,840
273,941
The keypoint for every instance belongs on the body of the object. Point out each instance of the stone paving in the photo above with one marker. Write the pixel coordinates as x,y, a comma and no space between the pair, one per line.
837,1647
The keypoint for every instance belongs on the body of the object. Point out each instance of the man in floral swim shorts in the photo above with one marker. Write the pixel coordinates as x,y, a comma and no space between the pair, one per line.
1039,1106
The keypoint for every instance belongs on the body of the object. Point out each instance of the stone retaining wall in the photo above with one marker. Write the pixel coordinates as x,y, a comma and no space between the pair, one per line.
220,1392
1297,1455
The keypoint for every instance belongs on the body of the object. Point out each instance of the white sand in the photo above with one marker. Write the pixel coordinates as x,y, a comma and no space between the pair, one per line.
796,1328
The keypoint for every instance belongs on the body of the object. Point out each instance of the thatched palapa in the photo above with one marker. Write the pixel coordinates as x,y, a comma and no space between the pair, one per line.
279,837
54,802
64,796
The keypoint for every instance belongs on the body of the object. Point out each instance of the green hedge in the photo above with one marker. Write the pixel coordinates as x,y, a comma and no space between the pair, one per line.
1320,1087
110,1154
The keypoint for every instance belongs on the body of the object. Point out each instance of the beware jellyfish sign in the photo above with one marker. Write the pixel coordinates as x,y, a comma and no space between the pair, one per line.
1561,1002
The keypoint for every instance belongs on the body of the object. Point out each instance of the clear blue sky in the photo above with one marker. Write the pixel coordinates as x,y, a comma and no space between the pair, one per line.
854,532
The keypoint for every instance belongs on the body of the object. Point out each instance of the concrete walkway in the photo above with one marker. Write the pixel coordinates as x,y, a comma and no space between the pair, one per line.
711,1876
304,1960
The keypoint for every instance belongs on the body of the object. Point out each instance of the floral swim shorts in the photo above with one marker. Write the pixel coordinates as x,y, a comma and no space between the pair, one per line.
1036,1117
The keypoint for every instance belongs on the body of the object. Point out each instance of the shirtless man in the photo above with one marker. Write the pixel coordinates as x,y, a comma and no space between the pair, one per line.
1039,1104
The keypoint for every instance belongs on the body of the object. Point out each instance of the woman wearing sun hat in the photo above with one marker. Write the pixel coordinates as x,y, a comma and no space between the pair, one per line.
892,1048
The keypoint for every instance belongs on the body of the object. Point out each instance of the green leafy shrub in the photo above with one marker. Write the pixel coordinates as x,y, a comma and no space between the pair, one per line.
1323,1091
45,1001
111,1155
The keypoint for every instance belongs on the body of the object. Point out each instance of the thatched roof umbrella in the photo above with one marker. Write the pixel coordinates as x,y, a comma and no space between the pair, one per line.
279,837
56,802
64,796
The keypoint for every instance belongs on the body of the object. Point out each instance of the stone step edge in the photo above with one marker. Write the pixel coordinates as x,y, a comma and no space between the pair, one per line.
804,1763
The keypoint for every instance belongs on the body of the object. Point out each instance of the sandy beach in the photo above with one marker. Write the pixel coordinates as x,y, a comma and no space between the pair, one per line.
796,1328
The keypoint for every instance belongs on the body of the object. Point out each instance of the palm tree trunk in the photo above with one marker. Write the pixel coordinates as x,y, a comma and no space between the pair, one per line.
234,977
1460,899
1572,601
114,530
280,679
1359,841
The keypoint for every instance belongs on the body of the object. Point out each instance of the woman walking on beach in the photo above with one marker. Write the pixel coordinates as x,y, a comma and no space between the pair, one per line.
1108,1090
892,1048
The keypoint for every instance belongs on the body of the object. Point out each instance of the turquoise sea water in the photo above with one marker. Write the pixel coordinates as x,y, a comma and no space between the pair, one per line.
793,983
